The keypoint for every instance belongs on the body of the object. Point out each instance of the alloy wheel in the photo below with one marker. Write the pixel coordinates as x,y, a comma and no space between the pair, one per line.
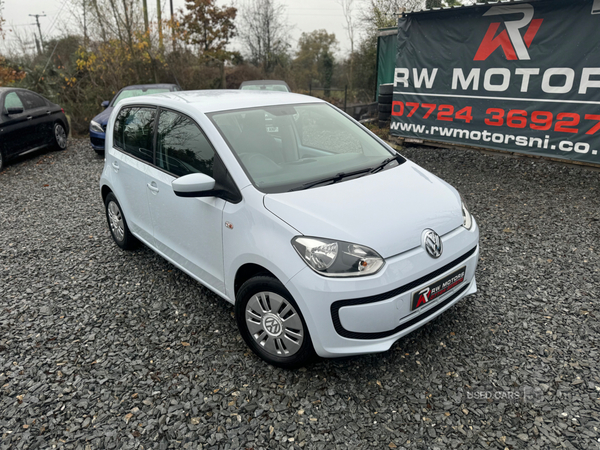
60,136
274,324
115,218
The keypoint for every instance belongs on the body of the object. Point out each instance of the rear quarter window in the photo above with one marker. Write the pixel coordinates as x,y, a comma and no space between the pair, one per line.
134,132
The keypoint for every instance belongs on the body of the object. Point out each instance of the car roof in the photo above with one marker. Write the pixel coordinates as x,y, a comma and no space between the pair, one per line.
208,101
261,82
149,86
9,88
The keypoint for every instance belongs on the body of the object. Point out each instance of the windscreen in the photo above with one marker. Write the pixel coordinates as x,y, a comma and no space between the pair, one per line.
292,147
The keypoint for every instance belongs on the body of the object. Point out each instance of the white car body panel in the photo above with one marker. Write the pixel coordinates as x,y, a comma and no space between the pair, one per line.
386,211
188,231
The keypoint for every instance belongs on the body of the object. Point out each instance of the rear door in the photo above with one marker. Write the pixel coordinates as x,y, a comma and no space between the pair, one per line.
37,112
186,230
133,154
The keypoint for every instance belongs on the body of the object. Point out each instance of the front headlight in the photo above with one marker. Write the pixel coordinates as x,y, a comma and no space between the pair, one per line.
95,126
467,218
337,258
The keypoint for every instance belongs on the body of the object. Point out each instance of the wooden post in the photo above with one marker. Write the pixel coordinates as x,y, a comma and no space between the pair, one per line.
160,31
172,24
145,7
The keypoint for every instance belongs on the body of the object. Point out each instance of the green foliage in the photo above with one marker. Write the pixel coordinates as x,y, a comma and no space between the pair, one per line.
314,61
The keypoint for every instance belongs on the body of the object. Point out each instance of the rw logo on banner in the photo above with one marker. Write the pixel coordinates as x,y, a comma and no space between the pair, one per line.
510,40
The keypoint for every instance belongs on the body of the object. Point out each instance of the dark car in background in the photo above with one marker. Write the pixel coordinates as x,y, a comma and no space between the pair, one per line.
265,85
29,122
98,123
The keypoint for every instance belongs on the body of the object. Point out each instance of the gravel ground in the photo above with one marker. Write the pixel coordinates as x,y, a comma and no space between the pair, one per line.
101,348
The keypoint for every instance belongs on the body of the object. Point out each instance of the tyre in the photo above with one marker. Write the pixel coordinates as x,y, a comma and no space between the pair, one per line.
385,108
384,116
60,136
271,323
386,89
383,124
2,160
100,152
385,99
117,224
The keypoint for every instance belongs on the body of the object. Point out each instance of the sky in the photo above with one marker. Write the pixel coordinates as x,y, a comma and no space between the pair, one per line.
302,16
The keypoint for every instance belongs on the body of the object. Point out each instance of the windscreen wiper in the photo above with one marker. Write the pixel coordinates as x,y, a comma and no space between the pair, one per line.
385,162
332,180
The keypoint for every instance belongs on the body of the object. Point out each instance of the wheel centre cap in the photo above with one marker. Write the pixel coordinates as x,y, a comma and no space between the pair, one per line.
272,324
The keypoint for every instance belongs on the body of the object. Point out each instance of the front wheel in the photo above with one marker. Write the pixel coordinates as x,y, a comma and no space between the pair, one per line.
60,136
271,323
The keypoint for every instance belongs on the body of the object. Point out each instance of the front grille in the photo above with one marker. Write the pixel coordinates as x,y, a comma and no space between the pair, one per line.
97,142
335,307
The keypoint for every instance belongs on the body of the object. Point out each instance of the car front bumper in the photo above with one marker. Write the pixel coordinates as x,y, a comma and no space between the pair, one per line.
350,316
97,140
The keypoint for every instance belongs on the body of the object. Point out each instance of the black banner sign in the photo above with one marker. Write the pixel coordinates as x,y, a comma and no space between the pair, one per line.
521,77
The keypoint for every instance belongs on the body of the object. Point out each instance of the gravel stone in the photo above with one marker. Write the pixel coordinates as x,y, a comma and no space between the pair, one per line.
101,348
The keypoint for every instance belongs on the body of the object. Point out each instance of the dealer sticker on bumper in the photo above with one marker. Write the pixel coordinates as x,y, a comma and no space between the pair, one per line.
437,289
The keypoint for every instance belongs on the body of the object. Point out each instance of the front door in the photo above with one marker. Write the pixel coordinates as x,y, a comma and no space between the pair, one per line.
189,231
18,130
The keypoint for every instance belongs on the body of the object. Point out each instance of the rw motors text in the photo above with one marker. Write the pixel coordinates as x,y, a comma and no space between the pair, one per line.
555,80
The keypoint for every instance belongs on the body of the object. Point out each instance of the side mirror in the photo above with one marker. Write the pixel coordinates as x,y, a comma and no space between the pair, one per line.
14,111
194,185
105,104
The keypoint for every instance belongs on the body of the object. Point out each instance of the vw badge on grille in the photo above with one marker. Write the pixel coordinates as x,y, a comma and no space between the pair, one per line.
432,243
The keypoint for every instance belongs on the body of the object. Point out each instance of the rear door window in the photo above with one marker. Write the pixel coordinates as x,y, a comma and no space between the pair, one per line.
181,147
134,132
31,100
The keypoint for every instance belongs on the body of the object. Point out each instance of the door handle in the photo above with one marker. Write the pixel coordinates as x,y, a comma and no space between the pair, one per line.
153,187
48,112
29,117
115,166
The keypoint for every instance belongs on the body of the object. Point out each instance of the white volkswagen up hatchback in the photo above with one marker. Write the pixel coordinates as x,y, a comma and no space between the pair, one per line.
322,236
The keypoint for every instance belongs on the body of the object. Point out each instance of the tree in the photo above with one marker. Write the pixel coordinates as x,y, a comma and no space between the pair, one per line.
441,3
209,27
314,58
8,74
264,33
384,13
348,10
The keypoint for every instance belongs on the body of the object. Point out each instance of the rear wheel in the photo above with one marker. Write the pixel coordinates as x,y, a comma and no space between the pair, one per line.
271,323
117,224
60,136
1,160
